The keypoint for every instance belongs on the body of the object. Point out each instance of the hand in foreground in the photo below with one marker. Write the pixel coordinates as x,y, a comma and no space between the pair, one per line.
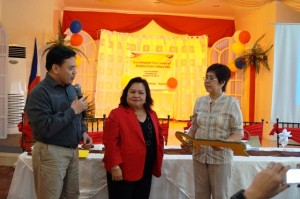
79,105
268,183
116,173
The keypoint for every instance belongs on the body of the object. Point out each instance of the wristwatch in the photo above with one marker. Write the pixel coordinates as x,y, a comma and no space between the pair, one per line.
239,195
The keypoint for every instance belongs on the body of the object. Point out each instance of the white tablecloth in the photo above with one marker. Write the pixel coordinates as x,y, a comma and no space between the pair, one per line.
176,181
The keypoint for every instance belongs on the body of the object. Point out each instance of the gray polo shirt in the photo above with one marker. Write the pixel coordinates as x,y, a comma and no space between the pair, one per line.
48,107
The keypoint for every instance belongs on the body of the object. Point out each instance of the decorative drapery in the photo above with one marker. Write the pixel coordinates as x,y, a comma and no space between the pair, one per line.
190,55
247,3
179,2
93,22
294,4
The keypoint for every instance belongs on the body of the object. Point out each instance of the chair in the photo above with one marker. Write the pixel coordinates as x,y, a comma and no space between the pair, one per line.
293,127
254,129
94,124
95,130
253,141
188,125
164,124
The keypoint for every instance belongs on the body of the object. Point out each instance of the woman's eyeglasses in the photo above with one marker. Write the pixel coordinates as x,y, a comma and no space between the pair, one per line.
209,79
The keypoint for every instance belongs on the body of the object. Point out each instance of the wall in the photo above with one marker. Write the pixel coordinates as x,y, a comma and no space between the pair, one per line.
1,10
26,20
285,14
260,22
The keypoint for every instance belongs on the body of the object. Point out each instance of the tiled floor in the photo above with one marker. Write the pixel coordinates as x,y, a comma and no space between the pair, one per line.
12,140
6,173
10,149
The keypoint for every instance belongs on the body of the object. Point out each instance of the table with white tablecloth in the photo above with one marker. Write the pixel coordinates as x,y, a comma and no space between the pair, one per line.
176,180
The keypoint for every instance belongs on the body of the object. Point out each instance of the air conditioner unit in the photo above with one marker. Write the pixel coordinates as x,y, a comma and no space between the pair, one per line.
16,86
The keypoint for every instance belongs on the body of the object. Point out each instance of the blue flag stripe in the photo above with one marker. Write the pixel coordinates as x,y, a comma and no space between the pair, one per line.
33,72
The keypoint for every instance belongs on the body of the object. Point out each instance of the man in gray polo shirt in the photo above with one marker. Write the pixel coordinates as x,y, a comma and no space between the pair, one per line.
55,114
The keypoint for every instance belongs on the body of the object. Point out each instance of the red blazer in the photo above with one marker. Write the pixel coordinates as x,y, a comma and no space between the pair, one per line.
125,145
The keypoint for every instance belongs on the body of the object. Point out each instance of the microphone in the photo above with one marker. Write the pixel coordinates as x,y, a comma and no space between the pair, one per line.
79,95
78,91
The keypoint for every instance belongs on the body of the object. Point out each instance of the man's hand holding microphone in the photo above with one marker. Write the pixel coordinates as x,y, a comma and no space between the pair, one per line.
79,105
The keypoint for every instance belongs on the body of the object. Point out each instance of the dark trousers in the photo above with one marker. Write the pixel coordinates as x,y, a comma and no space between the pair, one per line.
129,190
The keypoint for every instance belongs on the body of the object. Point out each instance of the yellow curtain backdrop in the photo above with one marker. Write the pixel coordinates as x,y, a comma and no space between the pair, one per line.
190,56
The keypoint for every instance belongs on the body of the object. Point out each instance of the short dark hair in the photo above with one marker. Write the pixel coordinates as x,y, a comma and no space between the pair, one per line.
149,100
57,55
222,73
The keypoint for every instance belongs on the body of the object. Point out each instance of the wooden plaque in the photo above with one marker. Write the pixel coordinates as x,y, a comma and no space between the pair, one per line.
238,148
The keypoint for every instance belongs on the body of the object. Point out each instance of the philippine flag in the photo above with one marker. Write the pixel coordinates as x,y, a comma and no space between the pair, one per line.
27,138
34,78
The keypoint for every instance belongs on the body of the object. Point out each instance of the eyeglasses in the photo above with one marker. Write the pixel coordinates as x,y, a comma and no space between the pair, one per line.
209,79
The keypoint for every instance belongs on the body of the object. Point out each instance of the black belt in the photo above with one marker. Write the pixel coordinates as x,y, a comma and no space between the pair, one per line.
71,147
75,146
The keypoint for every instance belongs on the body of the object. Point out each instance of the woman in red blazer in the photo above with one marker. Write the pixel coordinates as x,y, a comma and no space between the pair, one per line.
133,143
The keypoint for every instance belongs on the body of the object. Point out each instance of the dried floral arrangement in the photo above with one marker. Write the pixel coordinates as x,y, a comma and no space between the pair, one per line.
256,56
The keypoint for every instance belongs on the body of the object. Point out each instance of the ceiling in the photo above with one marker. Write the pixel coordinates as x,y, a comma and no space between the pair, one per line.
204,8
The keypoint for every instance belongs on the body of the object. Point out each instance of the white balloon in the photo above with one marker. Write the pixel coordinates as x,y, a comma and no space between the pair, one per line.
236,35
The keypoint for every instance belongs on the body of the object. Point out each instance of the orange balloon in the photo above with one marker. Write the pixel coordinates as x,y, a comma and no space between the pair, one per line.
76,40
244,37
172,82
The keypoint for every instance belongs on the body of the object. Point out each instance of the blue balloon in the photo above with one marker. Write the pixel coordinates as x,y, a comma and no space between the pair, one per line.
75,26
240,63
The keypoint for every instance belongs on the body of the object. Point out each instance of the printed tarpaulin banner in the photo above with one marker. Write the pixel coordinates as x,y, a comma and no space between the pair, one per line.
156,68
